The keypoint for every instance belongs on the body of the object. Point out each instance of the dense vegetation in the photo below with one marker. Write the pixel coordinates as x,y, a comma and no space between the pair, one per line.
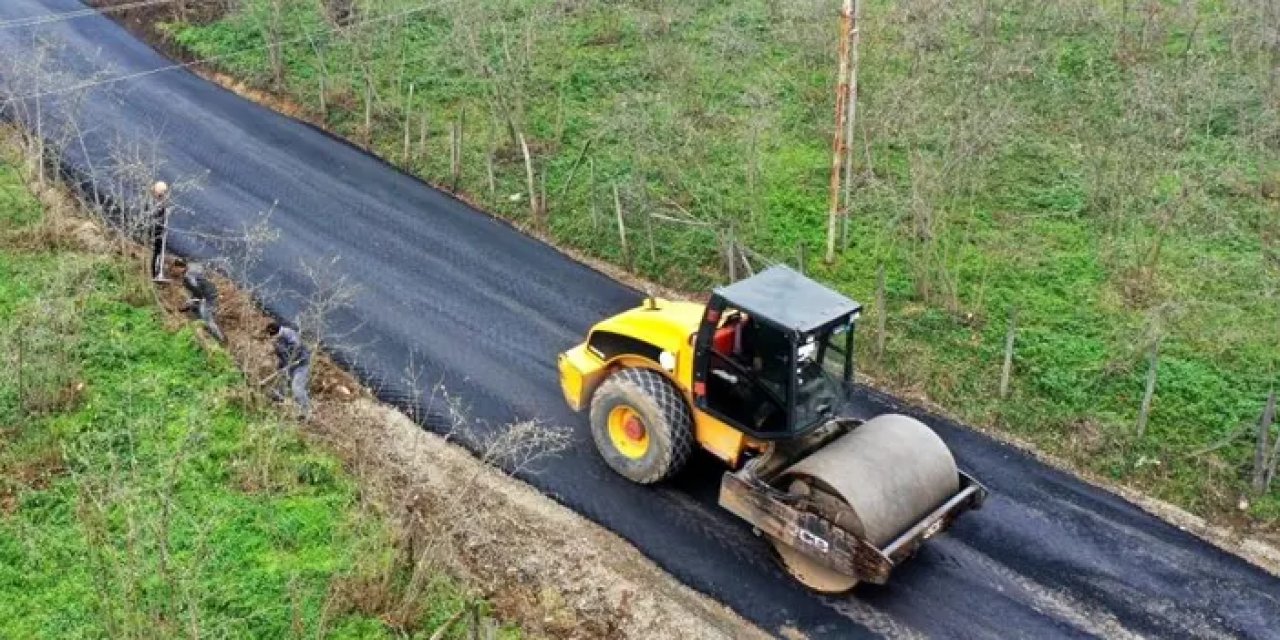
141,496
1109,170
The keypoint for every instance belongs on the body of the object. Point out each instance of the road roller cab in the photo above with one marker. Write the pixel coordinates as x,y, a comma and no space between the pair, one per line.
761,377
773,355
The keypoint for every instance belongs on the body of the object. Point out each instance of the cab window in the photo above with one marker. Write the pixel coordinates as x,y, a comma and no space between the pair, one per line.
747,373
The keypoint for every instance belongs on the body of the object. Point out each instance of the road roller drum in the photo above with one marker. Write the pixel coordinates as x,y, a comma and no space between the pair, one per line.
875,482
890,472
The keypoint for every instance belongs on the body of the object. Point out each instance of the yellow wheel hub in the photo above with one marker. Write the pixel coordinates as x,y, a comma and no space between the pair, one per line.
628,433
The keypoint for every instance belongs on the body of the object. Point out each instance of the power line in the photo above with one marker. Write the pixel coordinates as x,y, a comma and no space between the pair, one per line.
184,65
49,18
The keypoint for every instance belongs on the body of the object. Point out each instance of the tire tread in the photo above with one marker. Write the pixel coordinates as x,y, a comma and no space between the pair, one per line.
673,431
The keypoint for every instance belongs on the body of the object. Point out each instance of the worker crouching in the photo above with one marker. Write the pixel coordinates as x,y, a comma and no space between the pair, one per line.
204,295
293,366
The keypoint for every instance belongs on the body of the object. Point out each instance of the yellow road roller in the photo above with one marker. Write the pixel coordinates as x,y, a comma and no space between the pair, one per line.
761,376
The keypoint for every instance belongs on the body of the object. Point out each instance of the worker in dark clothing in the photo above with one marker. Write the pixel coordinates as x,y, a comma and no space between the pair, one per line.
293,366
204,295
158,229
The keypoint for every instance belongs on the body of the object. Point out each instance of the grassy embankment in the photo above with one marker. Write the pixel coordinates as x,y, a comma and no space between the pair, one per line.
1109,170
141,497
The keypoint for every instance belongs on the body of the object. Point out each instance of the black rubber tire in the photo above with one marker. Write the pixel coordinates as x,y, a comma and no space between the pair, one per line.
664,413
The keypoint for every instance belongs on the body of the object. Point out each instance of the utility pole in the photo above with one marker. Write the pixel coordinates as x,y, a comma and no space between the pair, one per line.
838,141
854,41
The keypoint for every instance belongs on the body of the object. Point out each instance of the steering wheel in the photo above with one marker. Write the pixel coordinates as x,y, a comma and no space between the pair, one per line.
737,368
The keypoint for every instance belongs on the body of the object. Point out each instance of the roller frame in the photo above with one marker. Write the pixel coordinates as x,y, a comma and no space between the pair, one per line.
749,494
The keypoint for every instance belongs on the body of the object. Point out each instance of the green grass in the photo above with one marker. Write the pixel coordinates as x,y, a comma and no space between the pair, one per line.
1023,158
140,496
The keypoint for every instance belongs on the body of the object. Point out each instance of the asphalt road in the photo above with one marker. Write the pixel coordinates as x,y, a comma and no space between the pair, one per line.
474,306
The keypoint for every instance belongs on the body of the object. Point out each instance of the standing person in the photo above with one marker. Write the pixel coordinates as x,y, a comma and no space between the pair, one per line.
159,229
293,366
204,295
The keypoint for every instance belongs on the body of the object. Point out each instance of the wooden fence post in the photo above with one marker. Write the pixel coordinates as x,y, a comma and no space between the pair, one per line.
1152,370
1263,465
850,118
493,180
534,209
368,108
462,137
646,206
622,226
457,151
591,195
453,151
882,312
1275,451
648,228
423,130
324,105
408,125
542,194
22,392
753,169
837,155
1009,339
731,258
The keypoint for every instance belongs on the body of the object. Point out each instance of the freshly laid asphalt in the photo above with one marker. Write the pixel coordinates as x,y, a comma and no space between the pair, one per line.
473,310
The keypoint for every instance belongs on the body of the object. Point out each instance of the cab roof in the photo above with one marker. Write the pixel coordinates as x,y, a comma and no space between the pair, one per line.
787,298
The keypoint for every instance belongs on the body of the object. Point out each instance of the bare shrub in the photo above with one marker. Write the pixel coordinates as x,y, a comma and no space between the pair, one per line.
143,591
38,344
